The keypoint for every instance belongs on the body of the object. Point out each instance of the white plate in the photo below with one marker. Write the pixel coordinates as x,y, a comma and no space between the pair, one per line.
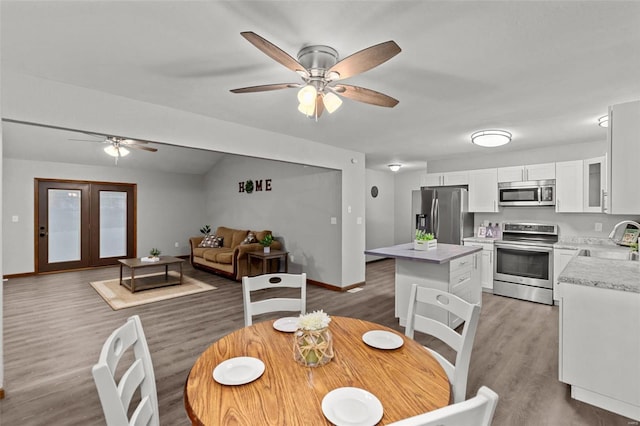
238,371
351,407
286,324
382,339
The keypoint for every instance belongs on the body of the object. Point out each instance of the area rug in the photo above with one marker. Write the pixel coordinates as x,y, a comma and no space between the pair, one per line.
119,297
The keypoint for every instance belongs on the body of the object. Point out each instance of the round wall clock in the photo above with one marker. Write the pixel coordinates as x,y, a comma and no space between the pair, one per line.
374,191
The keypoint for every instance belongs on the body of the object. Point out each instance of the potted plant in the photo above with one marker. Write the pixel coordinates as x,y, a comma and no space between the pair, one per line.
633,254
154,252
424,241
206,230
266,243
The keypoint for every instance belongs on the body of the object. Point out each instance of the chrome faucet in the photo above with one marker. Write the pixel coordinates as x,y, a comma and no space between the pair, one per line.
624,222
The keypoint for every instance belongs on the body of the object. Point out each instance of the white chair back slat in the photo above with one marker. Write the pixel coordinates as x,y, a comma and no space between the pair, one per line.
130,381
276,304
461,343
115,397
476,411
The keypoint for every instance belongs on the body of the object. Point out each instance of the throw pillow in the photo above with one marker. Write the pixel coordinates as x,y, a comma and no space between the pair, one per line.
218,242
208,241
251,238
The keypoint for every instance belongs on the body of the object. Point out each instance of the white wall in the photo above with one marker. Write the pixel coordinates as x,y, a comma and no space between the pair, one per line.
30,99
404,184
170,207
380,211
298,210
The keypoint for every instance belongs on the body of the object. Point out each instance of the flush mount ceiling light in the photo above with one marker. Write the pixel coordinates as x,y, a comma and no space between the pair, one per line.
491,138
395,167
603,121
321,70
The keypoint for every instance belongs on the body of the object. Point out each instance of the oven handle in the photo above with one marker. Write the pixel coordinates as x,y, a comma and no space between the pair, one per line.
524,247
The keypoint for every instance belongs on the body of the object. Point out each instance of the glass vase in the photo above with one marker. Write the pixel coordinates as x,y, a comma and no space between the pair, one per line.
313,348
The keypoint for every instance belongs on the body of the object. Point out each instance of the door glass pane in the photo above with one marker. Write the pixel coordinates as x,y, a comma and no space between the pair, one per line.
64,225
594,185
113,224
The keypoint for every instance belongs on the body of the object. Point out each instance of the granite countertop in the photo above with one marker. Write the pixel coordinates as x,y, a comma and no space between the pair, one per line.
623,275
443,253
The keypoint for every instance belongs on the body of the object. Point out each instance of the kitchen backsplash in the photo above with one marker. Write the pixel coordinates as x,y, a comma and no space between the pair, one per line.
569,224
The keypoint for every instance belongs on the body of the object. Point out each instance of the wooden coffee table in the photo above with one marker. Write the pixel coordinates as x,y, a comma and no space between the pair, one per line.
152,281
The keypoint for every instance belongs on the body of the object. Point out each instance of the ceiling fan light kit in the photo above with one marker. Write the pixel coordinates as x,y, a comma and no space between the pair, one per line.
319,68
395,167
491,138
116,151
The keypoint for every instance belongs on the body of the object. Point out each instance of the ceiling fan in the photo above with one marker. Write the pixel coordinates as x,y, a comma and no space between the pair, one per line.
118,146
320,70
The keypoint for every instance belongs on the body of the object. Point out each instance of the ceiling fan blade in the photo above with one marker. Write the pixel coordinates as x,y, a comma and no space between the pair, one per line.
367,96
274,52
265,88
146,148
133,142
319,106
365,59
86,140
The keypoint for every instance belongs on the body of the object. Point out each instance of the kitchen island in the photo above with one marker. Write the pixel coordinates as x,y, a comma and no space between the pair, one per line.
451,268
599,344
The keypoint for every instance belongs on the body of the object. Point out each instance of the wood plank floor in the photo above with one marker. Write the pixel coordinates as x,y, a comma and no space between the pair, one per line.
56,324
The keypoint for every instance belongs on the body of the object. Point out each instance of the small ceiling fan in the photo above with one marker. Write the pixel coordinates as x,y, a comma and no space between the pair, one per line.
320,70
118,146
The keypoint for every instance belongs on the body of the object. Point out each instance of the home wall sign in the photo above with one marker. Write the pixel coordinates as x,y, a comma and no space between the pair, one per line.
257,185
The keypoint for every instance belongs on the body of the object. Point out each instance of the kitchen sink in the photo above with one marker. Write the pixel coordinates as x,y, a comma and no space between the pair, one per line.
606,254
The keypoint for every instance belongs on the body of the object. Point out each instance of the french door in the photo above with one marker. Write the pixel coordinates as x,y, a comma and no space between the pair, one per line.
83,224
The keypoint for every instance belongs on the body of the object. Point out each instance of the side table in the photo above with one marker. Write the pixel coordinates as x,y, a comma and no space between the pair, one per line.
280,255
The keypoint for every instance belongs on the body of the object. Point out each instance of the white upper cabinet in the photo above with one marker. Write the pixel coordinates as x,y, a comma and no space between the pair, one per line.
445,179
483,190
524,173
623,137
569,186
595,185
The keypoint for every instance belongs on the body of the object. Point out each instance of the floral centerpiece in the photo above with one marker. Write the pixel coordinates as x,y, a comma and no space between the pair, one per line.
313,343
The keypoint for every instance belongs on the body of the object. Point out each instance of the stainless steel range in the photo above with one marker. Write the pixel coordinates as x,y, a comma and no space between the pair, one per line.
524,262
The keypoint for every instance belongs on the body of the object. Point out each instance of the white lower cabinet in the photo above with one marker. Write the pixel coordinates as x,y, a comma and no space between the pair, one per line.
600,347
460,276
486,264
561,258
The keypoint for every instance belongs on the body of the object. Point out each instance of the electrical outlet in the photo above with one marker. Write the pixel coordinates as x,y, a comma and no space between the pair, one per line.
292,258
176,244
598,227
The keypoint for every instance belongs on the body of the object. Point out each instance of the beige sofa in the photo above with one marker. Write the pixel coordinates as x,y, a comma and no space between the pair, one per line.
230,260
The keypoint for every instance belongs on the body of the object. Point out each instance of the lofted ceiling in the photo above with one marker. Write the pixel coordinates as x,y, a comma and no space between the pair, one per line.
543,70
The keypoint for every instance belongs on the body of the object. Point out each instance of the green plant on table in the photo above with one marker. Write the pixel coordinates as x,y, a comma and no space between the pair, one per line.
633,247
266,241
206,230
154,252
423,236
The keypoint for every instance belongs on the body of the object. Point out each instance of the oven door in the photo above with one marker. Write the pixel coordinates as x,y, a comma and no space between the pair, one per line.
524,264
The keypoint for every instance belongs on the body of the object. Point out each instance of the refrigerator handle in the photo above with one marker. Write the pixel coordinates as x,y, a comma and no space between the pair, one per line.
436,228
432,222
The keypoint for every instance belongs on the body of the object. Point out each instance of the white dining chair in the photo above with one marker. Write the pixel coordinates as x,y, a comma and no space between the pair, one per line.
476,411
461,343
116,397
274,304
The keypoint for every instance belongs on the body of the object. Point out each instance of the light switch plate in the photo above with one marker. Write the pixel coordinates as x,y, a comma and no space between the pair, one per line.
334,220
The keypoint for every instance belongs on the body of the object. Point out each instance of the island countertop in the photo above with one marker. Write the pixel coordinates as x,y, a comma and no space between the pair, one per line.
443,253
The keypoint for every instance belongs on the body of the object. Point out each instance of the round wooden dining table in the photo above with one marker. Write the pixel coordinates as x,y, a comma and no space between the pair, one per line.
407,380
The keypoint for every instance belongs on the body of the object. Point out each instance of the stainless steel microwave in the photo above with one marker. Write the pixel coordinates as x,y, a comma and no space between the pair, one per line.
531,193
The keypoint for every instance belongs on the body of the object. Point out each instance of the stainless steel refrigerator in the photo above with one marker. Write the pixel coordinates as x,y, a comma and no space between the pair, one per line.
443,211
